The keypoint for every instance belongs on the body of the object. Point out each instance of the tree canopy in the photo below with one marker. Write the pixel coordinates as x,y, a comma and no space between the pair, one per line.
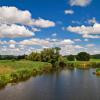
83,56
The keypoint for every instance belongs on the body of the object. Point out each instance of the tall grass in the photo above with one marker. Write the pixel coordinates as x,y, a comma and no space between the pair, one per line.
14,71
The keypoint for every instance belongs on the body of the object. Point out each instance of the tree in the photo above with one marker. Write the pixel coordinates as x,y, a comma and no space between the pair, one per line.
71,58
83,56
51,55
34,56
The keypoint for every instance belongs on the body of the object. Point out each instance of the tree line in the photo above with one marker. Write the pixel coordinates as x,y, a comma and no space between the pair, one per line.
51,55
82,56
12,57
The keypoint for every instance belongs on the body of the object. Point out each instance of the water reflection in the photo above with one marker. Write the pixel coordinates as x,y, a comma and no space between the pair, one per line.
61,85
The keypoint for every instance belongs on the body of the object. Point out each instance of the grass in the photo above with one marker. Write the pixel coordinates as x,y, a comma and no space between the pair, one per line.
98,71
95,60
93,63
13,71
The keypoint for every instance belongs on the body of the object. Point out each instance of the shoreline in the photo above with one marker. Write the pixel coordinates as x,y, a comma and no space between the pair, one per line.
25,73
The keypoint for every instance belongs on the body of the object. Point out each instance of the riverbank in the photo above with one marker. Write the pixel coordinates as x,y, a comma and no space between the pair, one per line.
14,71
93,63
98,71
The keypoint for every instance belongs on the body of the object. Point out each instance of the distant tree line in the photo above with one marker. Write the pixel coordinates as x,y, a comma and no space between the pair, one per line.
96,56
11,57
82,56
51,55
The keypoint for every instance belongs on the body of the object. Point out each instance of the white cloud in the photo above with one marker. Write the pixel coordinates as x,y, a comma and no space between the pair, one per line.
86,31
77,40
90,45
11,42
43,23
27,46
69,12
35,41
14,31
36,29
12,46
13,15
78,47
91,36
81,3
66,42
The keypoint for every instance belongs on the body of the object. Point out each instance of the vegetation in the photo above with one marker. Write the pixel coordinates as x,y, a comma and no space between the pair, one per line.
50,55
13,71
71,58
96,56
16,68
83,56
98,71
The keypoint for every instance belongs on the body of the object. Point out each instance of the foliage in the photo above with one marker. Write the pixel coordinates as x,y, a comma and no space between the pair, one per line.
83,56
20,70
50,55
71,58
34,56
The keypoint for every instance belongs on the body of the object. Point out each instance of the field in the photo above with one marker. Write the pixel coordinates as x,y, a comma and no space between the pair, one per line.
7,66
14,71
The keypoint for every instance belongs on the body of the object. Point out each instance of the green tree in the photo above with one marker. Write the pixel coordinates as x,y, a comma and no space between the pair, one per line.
51,55
71,58
34,56
83,56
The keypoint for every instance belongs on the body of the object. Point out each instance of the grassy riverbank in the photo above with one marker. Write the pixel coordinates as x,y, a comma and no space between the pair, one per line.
98,71
13,71
93,63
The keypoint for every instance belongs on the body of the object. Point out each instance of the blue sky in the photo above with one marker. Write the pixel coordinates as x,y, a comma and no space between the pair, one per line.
31,25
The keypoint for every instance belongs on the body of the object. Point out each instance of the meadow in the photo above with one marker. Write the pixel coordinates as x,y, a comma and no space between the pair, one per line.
19,70
14,71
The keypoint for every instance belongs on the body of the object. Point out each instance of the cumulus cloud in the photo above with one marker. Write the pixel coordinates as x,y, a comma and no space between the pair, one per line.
90,45
35,41
36,29
13,15
27,46
14,30
69,12
66,42
81,3
86,31
12,46
11,42
43,23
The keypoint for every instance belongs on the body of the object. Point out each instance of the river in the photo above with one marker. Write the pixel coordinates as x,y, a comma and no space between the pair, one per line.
61,85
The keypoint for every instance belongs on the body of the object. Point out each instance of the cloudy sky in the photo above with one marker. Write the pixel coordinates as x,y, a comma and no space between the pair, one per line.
31,25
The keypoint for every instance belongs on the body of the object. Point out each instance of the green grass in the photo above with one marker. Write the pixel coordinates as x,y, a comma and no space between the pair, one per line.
12,71
22,64
95,60
93,63
98,70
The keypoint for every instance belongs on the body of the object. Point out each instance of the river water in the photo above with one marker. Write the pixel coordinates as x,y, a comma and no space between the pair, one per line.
61,85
